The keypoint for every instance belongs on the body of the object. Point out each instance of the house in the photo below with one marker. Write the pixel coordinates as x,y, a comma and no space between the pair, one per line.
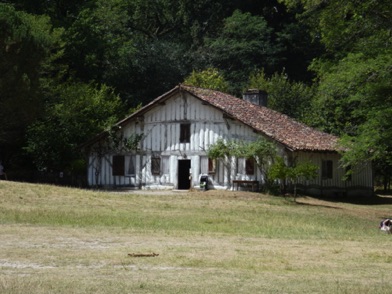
173,133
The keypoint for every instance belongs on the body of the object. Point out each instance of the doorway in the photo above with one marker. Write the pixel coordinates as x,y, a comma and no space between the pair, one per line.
184,182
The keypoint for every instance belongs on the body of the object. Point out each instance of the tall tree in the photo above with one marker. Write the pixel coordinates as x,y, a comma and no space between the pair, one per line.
140,48
61,12
27,44
354,94
243,46
291,98
209,78
292,35
82,111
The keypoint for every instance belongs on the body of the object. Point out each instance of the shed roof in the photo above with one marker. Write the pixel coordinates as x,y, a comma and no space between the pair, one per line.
294,135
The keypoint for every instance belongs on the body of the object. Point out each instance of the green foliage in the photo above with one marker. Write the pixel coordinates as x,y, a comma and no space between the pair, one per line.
262,151
355,101
264,154
279,170
132,142
222,149
142,48
125,46
98,44
354,89
61,12
116,142
28,44
243,45
81,112
283,172
305,170
291,98
209,79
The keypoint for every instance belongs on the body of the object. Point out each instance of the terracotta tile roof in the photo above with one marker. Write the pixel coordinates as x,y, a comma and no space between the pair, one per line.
277,126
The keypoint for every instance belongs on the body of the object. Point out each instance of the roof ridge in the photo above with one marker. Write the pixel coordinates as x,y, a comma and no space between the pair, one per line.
280,127
292,133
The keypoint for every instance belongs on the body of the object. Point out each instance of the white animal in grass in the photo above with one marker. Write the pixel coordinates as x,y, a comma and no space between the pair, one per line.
386,226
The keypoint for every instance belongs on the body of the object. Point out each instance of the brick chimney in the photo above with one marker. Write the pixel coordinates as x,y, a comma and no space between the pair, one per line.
255,96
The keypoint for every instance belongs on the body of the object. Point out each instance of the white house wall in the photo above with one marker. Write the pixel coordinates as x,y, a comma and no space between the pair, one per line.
160,126
161,129
361,180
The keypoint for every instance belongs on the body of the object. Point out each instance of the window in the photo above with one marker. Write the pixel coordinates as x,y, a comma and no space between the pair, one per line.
211,165
156,166
118,166
204,164
185,133
165,165
132,165
348,173
250,166
326,169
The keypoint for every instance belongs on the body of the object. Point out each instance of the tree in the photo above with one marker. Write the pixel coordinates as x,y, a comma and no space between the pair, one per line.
111,43
243,45
264,154
61,12
294,172
291,98
347,26
272,166
28,44
370,139
209,79
261,151
353,99
83,110
223,150
99,47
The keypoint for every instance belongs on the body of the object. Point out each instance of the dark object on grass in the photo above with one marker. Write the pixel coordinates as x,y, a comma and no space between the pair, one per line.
143,254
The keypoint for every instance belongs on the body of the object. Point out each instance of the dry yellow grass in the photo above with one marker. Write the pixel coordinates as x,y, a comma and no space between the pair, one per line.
211,242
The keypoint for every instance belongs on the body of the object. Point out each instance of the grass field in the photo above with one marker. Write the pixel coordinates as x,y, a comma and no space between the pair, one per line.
63,240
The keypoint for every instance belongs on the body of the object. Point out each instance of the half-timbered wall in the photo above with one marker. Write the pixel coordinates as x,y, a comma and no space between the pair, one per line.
161,127
360,181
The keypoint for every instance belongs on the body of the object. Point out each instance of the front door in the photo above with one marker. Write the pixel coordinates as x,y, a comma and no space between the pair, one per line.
184,182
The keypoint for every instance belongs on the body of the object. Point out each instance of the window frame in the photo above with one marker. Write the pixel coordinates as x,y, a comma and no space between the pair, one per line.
118,165
156,166
185,133
131,171
165,165
250,166
327,169
211,165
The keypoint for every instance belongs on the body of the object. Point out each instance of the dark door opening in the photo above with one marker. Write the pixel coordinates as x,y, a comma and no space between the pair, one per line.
184,182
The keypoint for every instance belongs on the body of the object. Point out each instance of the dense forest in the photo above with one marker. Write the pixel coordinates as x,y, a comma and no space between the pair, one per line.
70,68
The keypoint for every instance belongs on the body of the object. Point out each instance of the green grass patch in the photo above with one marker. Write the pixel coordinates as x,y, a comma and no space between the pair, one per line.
63,240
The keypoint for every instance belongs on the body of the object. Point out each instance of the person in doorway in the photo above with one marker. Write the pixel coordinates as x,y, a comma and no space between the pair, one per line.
3,175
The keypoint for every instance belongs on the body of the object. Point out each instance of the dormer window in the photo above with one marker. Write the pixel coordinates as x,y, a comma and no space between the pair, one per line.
185,133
